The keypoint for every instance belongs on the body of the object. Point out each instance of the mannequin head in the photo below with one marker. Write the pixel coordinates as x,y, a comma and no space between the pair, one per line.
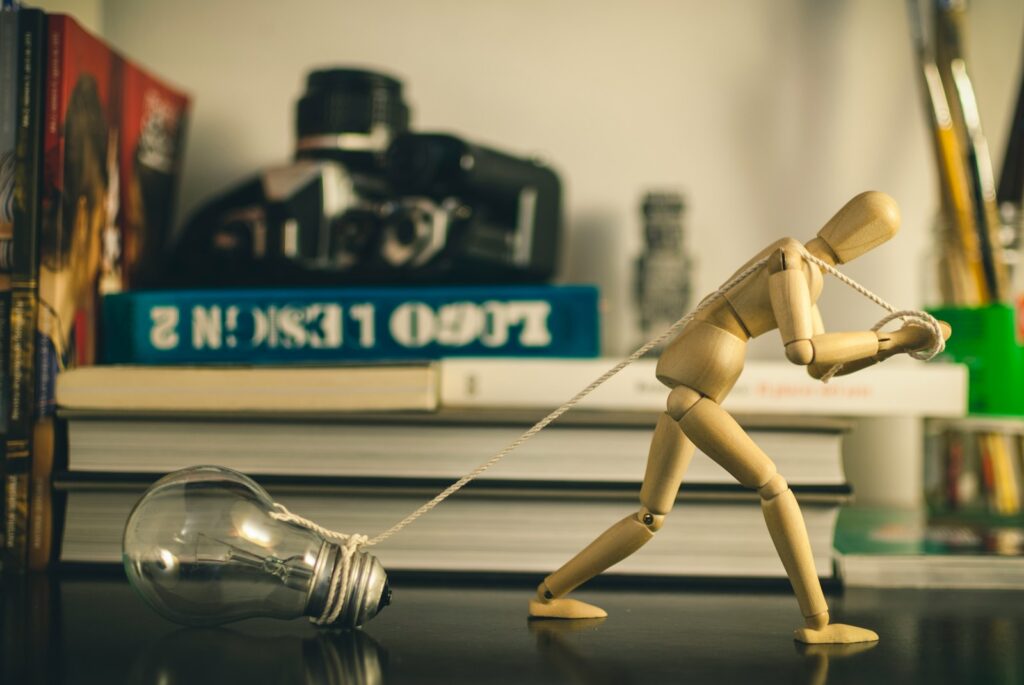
866,221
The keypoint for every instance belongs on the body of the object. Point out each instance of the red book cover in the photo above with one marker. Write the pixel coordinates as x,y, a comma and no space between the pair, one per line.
988,476
112,150
153,124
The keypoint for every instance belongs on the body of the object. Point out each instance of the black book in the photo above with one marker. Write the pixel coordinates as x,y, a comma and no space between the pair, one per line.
8,140
28,170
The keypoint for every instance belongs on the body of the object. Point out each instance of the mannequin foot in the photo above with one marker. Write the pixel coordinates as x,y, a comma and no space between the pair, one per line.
836,651
542,628
565,608
834,633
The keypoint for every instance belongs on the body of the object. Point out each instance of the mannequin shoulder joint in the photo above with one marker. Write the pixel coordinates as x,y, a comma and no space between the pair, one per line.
788,255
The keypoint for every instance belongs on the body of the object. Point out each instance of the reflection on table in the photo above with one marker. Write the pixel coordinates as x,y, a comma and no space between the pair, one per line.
89,629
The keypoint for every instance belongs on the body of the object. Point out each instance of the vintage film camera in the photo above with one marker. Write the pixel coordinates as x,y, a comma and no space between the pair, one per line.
367,201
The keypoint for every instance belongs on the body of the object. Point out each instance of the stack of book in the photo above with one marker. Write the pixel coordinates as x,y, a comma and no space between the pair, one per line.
90,151
376,442
970,534
885,547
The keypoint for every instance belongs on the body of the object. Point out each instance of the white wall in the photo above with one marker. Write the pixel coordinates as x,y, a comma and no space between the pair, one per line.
769,114
89,13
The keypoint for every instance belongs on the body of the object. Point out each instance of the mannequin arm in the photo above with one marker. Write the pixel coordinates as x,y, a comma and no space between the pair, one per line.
909,338
817,324
791,303
802,330
799,320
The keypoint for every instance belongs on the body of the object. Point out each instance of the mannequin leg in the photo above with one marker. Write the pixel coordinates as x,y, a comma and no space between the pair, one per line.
719,435
670,454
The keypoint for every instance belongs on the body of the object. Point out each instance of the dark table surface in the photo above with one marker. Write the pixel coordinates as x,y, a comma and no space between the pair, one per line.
92,629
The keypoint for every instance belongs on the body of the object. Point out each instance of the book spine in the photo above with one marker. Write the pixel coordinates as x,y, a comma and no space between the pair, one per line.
40,544
51,245
988,479
27,184
1013,476
954,469
47,360
5,390
8,143
1009,498
358,324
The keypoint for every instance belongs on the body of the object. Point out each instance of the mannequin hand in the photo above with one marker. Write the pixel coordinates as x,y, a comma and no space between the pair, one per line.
910,338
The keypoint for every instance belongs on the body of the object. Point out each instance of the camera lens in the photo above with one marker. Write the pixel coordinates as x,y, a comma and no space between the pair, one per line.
404,229
414,231
351,101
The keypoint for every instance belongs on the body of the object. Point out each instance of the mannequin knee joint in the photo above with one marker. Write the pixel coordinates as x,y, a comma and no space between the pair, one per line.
651,520
680,401
773,488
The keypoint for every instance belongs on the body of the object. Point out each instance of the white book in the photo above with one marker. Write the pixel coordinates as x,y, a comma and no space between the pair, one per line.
515,531
919,571
806,453
893,389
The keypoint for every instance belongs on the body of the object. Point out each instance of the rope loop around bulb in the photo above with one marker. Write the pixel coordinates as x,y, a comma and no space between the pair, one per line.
350,544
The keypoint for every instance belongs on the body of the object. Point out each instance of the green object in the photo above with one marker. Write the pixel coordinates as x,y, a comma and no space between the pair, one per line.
985,340
880,530
891,531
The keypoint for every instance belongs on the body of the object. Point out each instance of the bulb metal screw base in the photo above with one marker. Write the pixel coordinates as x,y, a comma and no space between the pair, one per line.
367,591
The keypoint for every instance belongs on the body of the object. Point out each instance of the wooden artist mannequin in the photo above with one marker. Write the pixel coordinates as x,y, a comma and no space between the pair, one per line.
701,366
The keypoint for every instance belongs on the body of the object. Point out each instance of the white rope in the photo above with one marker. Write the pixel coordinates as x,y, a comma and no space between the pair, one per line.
351,543
576,399
907,315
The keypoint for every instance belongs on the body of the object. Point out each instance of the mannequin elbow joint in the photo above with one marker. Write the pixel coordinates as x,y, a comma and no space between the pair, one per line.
800,352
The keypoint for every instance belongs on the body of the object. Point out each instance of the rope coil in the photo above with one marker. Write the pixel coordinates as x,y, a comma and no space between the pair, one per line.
912,316
349,547
352,543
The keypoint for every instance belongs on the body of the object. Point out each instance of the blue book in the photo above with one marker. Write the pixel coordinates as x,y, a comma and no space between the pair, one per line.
282,326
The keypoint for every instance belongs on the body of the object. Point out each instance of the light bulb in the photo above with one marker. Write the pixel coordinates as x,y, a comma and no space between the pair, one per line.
202,547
